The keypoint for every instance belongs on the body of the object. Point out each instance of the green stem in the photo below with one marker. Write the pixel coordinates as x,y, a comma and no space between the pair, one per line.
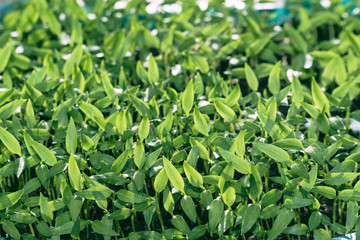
133,219
157,197
32,230
347,121
334,212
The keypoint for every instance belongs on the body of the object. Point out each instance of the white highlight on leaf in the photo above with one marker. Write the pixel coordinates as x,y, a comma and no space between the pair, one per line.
308,61
154,32
19,49
203,4
120,5
235,36
172,8
238,4
91,16
14,34
325,3
175,70
234,61
290,73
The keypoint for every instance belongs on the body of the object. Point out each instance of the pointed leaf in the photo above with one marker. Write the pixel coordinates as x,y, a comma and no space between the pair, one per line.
173,175
10,141
274,152
144,128
153,72
71,137
75,176
274,79
225,112
200,122
188,98
239,163
251,78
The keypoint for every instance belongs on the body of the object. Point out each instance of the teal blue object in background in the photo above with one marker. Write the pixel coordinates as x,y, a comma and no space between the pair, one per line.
6,6
351,236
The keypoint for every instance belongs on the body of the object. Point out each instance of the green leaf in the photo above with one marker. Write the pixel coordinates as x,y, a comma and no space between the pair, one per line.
102,228
144,128
315,220
296,202
272,110
319,97
71,137
5,54
251,215
274,79
75,231
54,25
339,178
127,196
179,222
108,87
10,229
168,201
233,98
10,199
74,174
215,212
165,127
323,123
224,111
274,152
325,191
139,155
321,234
297,92
239,144
73,60
253,26
229,196
296,39
300,169
161,180
93,113
153,72
251,78
257,46
25,218
270,211
10,141
239,163
192,175
44,153
188,206
201,63
121,122
354,40
121,214
197,232
188,98
297,229
271,197
282,220
351,215
316,153
289,143
46,212
173,175
120,162
200,122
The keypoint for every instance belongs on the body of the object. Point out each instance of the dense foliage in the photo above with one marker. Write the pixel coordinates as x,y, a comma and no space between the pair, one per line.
184,123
